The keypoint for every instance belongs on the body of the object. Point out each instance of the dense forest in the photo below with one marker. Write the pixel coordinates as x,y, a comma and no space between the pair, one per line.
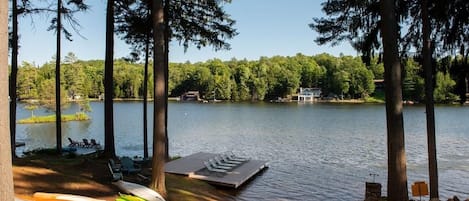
240,80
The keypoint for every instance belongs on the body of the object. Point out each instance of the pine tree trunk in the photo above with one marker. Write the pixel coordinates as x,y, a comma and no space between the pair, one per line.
145,100
6,182
58,119
397,177
166,72
109,147
13,76
429,105
159,120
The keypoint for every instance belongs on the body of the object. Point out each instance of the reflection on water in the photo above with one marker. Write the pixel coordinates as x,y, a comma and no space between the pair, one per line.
39,136
315,151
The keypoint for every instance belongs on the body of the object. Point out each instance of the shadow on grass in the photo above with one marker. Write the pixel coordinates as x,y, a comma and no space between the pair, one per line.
58,174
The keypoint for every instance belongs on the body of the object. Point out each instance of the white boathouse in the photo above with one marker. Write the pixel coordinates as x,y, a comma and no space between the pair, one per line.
309,94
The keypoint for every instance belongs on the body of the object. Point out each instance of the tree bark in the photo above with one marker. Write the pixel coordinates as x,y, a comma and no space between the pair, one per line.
166,72
397,177
6,182
160,96
145,99
429,103
58,115
13,76
109,147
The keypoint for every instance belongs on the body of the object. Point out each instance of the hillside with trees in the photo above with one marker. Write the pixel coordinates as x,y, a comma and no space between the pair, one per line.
237,80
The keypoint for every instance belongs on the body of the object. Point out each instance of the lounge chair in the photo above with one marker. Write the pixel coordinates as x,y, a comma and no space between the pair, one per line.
220,162
128,165
86,144
95,144
115,167
225,159
215,164
116,175
73,143
213,169
233,157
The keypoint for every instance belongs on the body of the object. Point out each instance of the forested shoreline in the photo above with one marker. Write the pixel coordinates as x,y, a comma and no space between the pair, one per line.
267,78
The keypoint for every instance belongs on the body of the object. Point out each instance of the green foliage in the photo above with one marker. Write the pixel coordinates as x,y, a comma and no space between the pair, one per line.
28,80
237,80
444,86
413,82
84,105
378,97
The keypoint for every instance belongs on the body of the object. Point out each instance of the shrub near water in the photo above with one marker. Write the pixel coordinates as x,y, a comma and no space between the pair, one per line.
51,118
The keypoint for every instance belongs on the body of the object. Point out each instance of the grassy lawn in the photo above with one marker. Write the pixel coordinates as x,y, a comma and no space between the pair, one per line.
378,97
44,171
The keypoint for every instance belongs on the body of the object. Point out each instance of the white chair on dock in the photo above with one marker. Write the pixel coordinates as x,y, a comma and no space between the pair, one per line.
214,164
220,162
212,169
230,155
225,159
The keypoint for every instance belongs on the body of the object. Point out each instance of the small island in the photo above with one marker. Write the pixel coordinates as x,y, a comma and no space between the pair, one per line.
81,116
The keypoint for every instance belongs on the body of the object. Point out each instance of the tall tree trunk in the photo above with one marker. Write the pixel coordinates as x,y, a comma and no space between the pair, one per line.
397,177
109,147
429,105
166,72
145,99
6,183
160,96
13,76
58,115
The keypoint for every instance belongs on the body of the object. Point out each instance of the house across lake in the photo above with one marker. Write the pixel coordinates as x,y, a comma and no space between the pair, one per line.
309,94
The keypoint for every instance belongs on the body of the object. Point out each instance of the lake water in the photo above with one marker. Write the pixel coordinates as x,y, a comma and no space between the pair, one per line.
315,151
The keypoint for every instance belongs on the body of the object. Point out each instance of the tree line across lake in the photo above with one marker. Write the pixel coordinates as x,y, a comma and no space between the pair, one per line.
242,80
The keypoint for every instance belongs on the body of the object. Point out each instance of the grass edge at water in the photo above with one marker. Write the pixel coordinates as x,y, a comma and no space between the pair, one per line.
80,116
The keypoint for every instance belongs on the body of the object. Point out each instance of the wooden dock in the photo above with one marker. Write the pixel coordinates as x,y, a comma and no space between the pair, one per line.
193,167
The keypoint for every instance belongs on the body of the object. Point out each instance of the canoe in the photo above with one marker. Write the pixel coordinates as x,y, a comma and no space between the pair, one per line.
138,190
39,196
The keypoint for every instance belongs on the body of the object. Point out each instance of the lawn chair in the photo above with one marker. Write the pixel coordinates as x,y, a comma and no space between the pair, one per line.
128,165
233,157
115,174
220,162
115,167
225,159
214,164
73,143
86,144
213,169
95,144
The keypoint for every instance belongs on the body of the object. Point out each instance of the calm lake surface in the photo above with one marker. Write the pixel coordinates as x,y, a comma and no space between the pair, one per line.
315,151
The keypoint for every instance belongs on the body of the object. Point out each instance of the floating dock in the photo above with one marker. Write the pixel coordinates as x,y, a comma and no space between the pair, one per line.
193,167
85,151
20,144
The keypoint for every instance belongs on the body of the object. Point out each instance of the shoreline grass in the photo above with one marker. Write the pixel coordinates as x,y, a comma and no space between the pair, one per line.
51,118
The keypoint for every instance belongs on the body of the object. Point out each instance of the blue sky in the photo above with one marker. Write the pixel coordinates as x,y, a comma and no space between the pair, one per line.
266,28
